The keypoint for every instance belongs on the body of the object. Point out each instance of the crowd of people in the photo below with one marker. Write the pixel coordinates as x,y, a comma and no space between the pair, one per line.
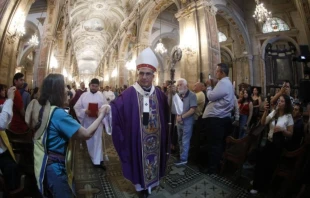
142,130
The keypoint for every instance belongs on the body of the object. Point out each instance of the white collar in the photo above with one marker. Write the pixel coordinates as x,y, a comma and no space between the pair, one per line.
142,92
146,96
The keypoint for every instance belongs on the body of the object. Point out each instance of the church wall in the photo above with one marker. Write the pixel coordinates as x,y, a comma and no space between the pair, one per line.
302,35
6,7
9,40
59,41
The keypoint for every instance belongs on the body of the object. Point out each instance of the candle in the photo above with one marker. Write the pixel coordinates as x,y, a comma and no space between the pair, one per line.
209,76
234,84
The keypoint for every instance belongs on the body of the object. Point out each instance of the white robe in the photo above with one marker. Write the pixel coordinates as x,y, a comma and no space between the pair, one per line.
109,95
94,144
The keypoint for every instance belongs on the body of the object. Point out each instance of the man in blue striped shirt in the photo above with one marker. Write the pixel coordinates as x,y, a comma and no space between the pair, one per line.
218,115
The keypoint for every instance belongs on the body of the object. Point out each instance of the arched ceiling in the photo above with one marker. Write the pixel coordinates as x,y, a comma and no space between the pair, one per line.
94,23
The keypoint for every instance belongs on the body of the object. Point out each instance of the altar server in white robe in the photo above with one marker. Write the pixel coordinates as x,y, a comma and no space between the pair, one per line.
85,109
109,95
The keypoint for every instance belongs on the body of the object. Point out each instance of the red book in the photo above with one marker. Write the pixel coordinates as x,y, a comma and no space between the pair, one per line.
93,108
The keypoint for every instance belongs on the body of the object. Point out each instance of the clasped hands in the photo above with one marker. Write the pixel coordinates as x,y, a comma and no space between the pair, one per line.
104,110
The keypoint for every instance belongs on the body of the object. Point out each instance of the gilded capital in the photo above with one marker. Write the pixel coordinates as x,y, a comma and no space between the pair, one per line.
186,11
49,39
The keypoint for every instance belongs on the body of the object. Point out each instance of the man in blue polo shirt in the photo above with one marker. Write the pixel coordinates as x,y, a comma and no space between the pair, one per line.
186,120
218,115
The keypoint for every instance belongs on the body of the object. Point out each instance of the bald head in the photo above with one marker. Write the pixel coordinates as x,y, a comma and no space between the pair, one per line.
198,87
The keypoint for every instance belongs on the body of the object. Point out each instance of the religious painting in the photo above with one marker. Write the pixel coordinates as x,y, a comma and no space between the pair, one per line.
283,70
93,25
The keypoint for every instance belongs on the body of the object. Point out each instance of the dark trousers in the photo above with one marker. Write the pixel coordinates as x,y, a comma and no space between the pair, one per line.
173,132
195,140
266,163
217,131
9,170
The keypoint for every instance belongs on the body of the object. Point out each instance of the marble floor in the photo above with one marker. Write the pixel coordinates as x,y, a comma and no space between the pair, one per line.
181,181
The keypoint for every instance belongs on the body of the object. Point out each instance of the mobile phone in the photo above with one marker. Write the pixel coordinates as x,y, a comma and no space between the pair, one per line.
67,109
269,99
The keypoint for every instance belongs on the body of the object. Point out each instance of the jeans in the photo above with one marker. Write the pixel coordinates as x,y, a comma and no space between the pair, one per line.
57,181
185,131
242,122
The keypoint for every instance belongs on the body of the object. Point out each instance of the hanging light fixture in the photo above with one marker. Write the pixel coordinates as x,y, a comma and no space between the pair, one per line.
19,24
261,14
34,41
160,48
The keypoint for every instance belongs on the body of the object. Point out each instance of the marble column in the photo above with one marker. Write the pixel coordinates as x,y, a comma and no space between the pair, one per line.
61,62
112,81
122,72
35,67
10,40
198,41
242,70
45,58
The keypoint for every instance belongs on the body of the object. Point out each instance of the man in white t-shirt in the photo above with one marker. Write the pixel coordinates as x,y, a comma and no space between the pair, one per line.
109,95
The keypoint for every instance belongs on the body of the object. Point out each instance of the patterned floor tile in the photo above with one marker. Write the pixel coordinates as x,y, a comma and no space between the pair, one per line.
180,182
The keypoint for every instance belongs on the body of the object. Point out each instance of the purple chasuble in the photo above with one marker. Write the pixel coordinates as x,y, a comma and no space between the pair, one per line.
142,149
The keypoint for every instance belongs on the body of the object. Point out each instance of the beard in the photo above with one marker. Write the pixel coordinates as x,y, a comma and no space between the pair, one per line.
182,91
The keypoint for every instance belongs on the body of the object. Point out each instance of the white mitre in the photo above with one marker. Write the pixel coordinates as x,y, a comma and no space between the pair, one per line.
147,59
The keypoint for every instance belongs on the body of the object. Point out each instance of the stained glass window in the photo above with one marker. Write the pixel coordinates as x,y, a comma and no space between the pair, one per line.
222,37
275,25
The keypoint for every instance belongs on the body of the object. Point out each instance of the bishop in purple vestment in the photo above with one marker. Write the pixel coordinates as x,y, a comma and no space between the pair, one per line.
140,127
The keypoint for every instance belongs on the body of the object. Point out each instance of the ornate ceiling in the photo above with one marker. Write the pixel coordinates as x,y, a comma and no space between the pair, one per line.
94,23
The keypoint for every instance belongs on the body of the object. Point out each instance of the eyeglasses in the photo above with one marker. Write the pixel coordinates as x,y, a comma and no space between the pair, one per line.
148,74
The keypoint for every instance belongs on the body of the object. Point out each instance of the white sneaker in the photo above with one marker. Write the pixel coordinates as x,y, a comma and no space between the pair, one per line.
253,192
180,162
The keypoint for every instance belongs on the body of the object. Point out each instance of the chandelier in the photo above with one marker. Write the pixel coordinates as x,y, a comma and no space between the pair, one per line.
20,31
160,48
131,65
34,41
261,14
18,24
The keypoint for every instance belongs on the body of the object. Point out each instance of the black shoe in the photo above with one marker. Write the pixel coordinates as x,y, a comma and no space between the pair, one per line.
203,170
100,166
143,194
206,171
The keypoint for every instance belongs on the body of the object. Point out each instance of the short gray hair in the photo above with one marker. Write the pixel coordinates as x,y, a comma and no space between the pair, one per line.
183,80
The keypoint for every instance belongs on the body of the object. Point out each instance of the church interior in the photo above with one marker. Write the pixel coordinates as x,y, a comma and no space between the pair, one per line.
263,42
